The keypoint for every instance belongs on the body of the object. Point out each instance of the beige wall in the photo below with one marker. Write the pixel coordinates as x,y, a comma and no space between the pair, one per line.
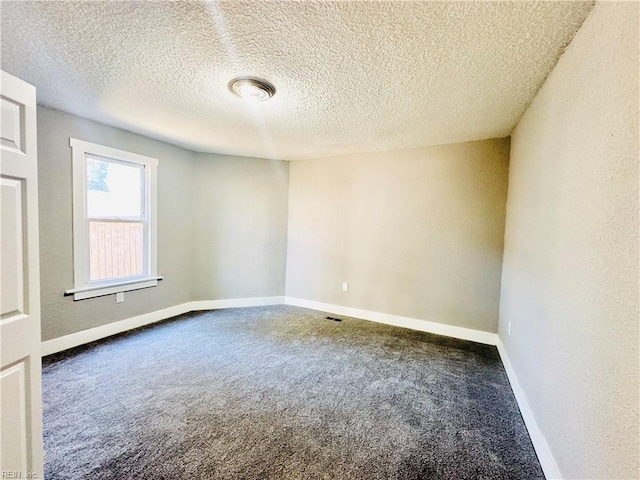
416,233
570,279
221,226
239,229
61,315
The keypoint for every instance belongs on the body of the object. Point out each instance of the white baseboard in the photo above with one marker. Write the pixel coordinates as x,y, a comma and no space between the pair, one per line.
235,303
91,335
548,463
405,322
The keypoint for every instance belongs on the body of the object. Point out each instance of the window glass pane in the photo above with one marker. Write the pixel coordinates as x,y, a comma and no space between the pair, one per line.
114,189
116,249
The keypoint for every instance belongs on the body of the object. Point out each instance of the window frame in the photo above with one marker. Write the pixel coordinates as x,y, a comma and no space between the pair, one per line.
84,287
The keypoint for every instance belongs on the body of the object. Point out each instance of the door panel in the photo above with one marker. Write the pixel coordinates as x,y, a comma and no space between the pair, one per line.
14,418
12,127
21,451
11,261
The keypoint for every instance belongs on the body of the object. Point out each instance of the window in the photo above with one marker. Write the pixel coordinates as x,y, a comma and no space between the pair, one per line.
114,220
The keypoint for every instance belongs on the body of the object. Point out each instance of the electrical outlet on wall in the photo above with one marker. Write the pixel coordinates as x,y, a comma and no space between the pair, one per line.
345,287
119,297
509,331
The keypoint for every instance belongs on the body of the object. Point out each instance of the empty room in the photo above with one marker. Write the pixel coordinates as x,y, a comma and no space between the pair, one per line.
320,240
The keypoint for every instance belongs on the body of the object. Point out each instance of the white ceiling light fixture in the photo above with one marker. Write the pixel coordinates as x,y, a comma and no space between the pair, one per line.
252,88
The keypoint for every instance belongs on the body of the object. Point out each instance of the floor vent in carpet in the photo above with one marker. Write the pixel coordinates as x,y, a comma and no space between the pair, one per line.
334,319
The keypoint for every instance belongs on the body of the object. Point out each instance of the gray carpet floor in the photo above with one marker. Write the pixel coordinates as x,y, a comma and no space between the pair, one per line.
281,393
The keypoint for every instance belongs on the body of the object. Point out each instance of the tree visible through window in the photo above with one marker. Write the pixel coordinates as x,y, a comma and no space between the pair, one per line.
97,176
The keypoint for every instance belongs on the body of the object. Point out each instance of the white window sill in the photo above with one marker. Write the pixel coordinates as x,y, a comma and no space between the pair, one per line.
123,286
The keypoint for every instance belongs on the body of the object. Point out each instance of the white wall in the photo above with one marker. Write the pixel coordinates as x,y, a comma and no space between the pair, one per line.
570,278
239,229
419,233
61,315
222,225
416,233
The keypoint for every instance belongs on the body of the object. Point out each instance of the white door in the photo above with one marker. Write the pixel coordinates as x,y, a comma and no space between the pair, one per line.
20,375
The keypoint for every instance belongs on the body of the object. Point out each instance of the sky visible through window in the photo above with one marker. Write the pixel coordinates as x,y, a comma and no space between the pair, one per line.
114,190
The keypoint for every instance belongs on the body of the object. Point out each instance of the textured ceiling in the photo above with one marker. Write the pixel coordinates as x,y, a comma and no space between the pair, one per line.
350,76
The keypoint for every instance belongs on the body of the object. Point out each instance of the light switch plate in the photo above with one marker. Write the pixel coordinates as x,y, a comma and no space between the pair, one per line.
119,297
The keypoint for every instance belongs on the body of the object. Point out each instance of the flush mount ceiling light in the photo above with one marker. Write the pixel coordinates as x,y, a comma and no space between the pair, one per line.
252,89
